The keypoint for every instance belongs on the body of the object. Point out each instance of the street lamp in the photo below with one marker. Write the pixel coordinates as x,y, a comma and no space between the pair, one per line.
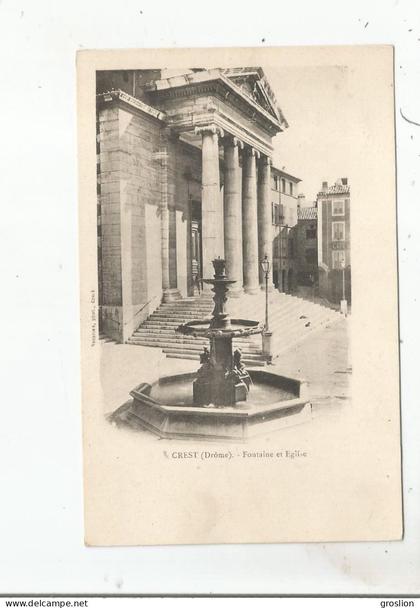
343,303
265,265
267,334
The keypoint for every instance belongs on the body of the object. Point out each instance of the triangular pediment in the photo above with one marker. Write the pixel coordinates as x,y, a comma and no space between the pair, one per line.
253,82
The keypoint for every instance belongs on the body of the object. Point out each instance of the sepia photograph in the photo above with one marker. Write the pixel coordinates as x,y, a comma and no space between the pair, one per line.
210,302
229,339
211,254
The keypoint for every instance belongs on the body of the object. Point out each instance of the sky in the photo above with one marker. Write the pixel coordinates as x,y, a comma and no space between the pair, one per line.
315,103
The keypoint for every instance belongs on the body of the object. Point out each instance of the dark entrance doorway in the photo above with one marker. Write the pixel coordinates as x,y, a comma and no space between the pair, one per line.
283,281
290,281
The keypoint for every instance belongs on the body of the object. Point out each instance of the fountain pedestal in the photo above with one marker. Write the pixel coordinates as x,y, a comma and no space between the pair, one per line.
221,379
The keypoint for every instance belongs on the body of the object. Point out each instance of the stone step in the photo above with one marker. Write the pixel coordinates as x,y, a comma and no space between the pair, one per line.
186,347
295,339
153,321
276,323
158,342
169,338
196,358
190,316
285,310
295,328
273,312
187,311
282,339
162,330
281,308
167,333
246,356
196,310
170,330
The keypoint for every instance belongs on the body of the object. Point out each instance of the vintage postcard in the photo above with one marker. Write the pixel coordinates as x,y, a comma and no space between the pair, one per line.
239,300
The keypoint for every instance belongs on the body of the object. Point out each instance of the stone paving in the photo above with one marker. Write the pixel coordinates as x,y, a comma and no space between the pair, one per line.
324,361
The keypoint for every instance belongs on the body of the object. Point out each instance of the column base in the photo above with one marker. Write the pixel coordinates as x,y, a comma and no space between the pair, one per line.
235,293
252,291
269,289
170,295
343,307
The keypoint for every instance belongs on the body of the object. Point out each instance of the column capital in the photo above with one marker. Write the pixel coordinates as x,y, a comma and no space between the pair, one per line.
230,140
252,152
266,160
209,129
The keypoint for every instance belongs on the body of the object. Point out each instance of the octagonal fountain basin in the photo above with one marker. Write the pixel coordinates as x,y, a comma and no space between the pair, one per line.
234,328
166,408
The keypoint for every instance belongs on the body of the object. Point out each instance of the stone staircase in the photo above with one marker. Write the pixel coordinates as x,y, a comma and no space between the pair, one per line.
291,319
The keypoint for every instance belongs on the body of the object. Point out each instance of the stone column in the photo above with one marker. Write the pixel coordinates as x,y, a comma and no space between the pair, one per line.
265,222
164,224
250,221
210,196
166,159
232,212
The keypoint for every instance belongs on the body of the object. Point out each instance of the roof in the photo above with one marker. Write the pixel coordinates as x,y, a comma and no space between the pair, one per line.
307,213
335,189
278,171
249,84
261,90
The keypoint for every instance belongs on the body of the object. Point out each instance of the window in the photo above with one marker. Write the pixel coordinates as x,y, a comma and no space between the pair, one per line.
338,231
277,214
281,214
338,208
283,185
291,188
276,183
338,258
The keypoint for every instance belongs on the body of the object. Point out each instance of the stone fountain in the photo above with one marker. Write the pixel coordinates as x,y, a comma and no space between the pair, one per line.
222,400
222,378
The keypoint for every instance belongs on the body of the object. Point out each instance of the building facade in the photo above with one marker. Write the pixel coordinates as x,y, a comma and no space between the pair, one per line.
334,252
306,239
285,196
184,176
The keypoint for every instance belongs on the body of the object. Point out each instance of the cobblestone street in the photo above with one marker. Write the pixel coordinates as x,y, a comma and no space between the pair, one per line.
324,361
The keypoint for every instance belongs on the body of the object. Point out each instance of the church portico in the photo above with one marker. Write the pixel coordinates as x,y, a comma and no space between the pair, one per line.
200,181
